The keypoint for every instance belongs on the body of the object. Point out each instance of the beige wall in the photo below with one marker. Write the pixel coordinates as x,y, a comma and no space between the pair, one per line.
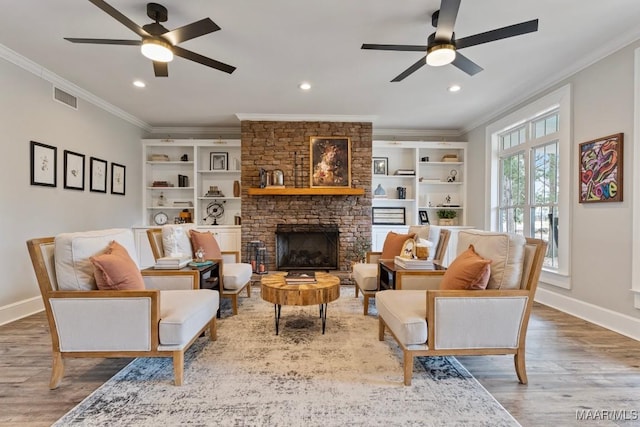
28,112
601,234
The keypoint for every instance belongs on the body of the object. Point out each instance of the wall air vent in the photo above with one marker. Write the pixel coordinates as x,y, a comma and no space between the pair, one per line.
66,98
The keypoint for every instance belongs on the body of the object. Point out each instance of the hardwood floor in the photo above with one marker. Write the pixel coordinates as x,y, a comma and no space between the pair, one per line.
572,365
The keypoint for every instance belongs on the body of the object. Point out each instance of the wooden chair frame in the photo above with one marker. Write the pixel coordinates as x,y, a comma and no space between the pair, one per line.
48,292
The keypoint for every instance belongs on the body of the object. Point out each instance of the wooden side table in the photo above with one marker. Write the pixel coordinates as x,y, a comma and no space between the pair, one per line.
393,276
275,290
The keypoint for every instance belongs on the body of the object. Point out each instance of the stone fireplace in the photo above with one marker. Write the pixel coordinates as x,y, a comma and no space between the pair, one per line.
286,146
307,247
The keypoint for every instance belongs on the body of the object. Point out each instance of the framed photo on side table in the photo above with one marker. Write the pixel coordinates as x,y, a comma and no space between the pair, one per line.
43,164
118,178
600,168
97,175
73,170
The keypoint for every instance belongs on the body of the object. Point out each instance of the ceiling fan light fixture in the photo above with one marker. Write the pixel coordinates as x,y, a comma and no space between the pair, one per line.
441,54
157,50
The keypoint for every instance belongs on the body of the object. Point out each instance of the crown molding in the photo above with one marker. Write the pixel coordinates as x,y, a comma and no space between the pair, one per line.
47,75
598,54
210,131
417,133
304,118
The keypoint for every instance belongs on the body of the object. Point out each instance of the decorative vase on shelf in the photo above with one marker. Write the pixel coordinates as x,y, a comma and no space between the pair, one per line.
379,191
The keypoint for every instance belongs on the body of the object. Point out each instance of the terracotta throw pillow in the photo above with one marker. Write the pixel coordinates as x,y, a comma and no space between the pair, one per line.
207,242
393,244
114,270
468,271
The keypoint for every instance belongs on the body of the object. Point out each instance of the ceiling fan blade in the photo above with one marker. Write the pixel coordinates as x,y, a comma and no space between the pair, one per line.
410,70
105,41
447,19
466,65
191,31
114,13
192,56
398,47
161,69
498,34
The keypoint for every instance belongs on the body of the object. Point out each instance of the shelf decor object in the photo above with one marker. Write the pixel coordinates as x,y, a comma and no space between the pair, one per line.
219,160
43,164
330,161
388,216
380,165
600,169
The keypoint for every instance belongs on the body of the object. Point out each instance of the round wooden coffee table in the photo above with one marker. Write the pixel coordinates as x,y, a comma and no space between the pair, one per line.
275,290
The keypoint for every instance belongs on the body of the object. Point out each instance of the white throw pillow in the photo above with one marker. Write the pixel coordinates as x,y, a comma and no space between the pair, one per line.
175,239
74,270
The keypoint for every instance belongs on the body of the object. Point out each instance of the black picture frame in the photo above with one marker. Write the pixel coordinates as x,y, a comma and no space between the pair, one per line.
424,217
73,170
118,179
44,165
388,216
97,175
218,161
380,165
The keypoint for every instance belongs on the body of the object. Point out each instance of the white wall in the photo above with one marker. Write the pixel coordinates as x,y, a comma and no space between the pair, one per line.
601,235
28,112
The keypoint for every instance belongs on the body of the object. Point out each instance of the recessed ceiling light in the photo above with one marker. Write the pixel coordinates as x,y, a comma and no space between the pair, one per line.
304,86
139,83
454,88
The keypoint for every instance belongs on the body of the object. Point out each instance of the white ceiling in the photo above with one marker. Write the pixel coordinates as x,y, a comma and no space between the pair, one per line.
277,44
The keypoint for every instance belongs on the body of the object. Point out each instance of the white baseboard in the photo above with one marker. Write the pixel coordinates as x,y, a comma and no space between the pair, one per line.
20,309
620,323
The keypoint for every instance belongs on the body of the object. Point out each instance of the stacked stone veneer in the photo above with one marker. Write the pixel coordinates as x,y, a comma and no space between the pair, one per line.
275,145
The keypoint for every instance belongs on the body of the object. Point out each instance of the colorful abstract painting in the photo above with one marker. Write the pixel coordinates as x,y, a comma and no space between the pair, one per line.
601,170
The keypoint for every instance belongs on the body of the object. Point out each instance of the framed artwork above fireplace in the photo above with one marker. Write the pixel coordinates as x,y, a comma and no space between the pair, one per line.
330,161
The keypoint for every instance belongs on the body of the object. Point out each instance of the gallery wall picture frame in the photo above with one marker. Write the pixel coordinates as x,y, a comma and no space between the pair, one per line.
73,170
424,217
219,161
43,164
600,169
388,216
380,165
97,175
118,178
330,161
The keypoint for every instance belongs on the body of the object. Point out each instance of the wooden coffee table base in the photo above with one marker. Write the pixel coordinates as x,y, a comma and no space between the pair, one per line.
275,290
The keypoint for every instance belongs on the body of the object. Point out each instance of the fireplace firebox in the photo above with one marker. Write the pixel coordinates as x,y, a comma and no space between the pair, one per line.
307,247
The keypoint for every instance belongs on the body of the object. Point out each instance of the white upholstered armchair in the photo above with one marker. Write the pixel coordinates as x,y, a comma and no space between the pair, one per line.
470,322
235,276
161,320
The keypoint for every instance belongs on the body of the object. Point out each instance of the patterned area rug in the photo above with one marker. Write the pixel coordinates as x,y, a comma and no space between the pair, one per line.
251,377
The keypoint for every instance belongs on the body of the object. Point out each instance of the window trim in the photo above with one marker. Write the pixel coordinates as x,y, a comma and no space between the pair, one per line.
559,99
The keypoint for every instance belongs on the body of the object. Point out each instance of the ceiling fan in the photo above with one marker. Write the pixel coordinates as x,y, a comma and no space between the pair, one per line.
442,46
158,43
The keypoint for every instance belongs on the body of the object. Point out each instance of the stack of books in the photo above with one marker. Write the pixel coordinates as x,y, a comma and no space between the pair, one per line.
417,264
406,172
172,263
300,277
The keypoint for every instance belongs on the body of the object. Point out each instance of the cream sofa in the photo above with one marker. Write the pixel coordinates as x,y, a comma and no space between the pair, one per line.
162,320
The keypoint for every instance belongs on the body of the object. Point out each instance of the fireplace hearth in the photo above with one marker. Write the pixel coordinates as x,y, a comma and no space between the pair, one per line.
307,247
